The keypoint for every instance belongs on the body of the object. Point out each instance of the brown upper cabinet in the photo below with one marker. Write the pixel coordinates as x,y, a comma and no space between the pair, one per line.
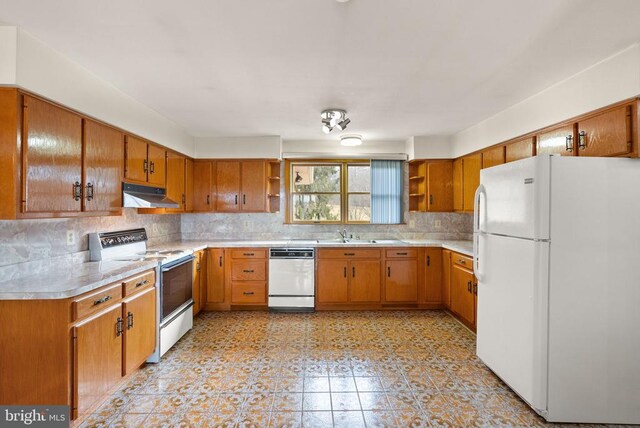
254,186
176,180
228,196
145,162
204,186
458,195
493,156
431,185
470,179
609,133
188,185
560,140
520,149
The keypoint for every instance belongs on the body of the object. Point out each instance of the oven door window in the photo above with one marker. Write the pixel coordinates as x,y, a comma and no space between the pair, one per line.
177,286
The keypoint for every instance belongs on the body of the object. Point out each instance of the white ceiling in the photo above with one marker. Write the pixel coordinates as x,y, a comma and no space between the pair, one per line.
399,67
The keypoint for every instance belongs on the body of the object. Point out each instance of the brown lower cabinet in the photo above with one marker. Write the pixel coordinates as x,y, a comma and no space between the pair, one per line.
78,348
216,298
247,276
199,281
461,286
401,281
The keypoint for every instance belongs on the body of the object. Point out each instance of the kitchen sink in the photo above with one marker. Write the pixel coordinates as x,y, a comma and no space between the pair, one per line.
360,241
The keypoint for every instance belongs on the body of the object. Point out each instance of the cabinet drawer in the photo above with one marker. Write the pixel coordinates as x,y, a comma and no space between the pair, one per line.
460,260
96,301
249,253
410,253
339,253
138,282
249,270
248,292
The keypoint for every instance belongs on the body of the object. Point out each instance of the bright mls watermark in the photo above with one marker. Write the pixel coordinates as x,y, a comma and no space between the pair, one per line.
34,416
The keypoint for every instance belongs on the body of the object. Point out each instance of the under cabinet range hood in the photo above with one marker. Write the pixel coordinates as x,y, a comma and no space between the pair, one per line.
138,196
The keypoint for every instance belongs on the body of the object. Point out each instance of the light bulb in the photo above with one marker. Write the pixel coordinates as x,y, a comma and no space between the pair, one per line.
326,128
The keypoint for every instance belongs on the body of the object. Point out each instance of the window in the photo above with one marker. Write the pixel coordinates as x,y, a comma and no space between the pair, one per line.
345,192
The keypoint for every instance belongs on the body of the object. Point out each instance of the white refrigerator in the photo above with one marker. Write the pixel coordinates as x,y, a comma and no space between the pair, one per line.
557,258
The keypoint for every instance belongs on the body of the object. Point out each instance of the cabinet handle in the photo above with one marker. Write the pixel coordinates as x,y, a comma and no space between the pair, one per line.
401,254
129,320
89,192
220,261
208,200
345,271
389,271
475,289
569,143
469,286
462,262
119,326
244,199
430,199
145,165
248,293
248,254
236,199
184,199
141,283
349,254
582,140
77,191
100,301
248,271
428,260
353,271
152,168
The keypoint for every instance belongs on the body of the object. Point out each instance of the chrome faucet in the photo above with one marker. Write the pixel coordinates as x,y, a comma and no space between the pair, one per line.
343,235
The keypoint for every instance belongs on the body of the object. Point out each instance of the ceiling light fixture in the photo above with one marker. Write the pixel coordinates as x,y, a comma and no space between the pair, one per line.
333,118
351,140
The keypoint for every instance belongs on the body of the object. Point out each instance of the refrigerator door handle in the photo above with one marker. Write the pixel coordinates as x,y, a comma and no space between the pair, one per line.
476,230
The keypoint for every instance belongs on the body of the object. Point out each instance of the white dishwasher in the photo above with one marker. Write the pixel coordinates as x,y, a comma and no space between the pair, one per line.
292,285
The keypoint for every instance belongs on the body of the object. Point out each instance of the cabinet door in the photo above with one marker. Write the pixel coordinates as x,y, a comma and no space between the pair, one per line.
492,157
446,278
103,164
607,134
458,196
401,281
203,189
52,164
364,285
520,149
471,179
175,180
332,281
197,272
215,275
97,358
561,141
139,314
254,186
157,166
188,185
137,164
440,186
462,295
433,275
228,186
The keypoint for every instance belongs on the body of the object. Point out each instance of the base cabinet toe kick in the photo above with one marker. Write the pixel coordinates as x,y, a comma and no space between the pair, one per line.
79,349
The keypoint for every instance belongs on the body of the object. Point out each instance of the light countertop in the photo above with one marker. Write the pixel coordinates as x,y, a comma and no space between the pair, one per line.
65,283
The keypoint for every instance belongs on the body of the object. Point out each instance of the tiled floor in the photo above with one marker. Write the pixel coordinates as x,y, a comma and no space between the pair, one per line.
342,369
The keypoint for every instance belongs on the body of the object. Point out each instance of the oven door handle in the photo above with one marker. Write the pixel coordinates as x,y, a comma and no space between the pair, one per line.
179,263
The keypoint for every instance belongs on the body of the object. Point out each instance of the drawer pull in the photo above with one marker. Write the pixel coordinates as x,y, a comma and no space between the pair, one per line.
428,260
220,261
141,283
99,301
349,254
462,262
248,293
402,254
129,320
353,269
248,254
248,271
119,326
389,271
345,272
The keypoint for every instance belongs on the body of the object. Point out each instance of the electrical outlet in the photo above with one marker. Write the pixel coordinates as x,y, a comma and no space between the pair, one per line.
412,224
437,224
71,237
247,224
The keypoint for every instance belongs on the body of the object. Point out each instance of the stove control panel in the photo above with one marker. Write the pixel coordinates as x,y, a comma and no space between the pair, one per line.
112,239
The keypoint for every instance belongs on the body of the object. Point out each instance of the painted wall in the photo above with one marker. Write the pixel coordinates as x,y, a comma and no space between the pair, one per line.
334,147
614,79
429,147
268,147
29,246
46,72
8,46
